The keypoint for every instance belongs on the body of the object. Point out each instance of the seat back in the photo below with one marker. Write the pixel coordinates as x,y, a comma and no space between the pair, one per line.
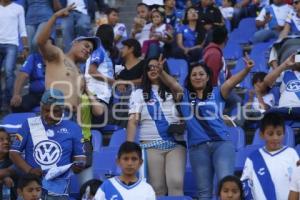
104,162
237,135
13,121
117,138
178,68
96,140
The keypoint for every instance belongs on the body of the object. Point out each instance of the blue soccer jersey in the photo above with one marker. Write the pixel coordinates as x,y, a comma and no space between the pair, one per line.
189,36
34,66
206,124
64,142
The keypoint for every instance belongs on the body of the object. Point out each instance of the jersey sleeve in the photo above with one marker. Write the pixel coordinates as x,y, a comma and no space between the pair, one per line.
97,57
136,102
99,195
247,179
20,138
295,181
151,194
218,95
28,65
288,20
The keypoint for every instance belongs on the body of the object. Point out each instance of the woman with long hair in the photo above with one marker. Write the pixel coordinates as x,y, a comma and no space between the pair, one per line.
190,36
210,149
152,111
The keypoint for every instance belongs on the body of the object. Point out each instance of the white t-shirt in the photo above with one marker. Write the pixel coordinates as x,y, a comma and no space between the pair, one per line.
268,99
101,89
144,34
12,24
278,14
114,189
295,182
280,165
148,129
227,12
290,89
80,5
120,29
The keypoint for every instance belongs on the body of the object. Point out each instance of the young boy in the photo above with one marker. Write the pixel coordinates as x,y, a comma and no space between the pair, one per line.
127,186
30,187
268,170
6,170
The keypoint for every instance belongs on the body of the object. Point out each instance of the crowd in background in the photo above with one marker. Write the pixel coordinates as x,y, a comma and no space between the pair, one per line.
104,74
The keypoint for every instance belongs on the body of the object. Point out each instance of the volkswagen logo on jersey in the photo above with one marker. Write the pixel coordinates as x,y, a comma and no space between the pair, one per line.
293,86
47,152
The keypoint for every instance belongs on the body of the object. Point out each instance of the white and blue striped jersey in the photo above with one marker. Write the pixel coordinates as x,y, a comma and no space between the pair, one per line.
156,115
114,189
278,14
290,89
294,21
266,175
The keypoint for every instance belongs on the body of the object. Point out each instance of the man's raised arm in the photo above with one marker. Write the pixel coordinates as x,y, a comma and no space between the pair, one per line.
48,50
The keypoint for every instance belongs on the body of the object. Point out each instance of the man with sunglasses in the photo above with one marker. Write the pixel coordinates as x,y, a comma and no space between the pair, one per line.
50,142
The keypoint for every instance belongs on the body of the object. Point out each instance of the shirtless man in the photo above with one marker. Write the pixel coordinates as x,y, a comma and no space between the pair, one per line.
62,71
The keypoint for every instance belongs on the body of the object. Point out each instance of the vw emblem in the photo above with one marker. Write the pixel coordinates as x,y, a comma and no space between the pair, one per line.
47,152
293,86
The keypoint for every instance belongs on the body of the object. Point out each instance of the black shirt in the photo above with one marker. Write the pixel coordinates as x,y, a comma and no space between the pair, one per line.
209,15
134,73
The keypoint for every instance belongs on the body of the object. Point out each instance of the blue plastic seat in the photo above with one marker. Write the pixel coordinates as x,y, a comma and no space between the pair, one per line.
242,154
289,137
174,198
178,68
117,138
237,135
110,128
96,140
104,162
13,121
232,51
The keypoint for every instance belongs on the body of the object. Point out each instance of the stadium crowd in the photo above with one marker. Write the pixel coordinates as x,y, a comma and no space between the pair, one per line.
180,88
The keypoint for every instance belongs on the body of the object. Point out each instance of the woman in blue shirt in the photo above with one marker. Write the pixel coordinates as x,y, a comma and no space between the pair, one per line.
210,150
190,36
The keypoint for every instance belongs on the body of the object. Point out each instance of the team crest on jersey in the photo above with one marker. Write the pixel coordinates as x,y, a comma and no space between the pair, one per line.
293,86
47,152
50,133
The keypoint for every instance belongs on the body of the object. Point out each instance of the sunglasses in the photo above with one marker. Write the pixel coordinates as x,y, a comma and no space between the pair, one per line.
152,66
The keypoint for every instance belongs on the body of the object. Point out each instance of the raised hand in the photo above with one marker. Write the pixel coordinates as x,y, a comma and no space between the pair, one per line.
249,63
161,62
65,11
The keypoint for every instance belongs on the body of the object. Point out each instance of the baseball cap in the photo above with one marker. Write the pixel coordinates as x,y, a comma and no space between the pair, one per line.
94,40
53,96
